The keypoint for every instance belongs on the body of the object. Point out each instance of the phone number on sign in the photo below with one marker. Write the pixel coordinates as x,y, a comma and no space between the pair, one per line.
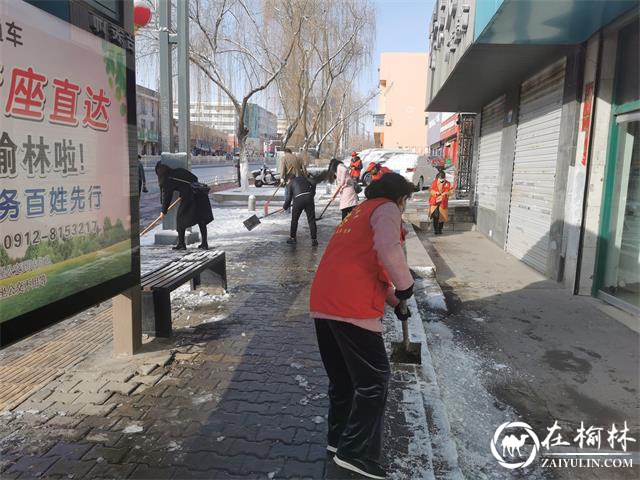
64,232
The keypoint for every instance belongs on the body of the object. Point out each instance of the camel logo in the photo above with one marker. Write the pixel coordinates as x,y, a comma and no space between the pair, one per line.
511,445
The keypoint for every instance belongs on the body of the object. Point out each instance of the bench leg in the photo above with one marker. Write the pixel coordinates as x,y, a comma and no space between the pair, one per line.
195,282
127,337
162,310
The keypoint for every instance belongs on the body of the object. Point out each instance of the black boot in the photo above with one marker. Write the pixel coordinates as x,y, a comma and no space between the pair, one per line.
440,226
182,245
203,234
291,241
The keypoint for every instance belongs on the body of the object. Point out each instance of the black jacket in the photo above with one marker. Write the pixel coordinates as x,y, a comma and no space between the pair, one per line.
299,187
193,209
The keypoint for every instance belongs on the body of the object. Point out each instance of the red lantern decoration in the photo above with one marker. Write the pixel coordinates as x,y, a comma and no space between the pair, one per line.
141,14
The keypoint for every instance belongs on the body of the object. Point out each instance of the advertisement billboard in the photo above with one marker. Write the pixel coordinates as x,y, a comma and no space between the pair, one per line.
65,186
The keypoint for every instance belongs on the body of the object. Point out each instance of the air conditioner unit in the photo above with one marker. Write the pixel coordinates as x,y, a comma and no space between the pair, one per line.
388,123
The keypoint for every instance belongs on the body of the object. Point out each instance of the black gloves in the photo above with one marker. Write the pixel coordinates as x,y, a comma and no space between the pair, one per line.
404,294
403,317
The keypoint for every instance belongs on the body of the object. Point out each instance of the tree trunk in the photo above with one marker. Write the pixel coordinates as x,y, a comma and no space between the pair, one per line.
244,163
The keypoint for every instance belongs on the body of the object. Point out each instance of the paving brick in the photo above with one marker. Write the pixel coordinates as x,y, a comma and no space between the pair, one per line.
64,421
148,380
70,468
118,377
102,437
97,410
284,435
120,387
94,397
69,451
107,454
63,397
109,471
297,469
298,452
32,466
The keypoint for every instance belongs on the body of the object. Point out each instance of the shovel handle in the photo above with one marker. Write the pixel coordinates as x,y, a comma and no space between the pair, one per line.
330,202
157,220
405,325
266,205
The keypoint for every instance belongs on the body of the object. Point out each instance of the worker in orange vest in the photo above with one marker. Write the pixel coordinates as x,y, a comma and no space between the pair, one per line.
355,167
439,201
363,267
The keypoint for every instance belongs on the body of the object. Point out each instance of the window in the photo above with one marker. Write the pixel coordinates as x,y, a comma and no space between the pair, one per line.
378,120
143,124
152,127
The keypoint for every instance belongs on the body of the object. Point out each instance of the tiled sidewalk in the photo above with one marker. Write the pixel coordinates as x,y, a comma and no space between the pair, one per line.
242,395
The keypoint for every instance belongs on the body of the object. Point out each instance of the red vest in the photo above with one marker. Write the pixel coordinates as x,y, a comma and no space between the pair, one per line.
350,282
355,168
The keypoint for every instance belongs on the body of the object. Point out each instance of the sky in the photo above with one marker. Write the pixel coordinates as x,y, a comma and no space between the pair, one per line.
402,26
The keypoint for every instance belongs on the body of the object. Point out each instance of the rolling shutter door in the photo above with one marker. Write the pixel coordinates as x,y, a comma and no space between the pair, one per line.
489,153
534,166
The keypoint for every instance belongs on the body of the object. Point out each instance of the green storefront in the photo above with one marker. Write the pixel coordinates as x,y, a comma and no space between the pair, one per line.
617,278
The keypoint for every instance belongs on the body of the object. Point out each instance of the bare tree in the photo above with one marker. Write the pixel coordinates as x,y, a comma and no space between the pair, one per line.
230,46
335,44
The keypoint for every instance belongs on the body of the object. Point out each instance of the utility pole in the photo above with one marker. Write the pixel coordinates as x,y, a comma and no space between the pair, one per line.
184,102
166,97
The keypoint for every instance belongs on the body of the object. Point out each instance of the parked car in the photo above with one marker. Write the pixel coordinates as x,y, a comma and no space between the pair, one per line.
375,156
415,168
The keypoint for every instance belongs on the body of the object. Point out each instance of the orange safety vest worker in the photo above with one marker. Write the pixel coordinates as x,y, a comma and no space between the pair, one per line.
381,172
350,282
355,167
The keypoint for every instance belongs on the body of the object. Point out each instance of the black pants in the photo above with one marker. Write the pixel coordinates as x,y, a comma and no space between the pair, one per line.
437,225
203,234
346,211
358,370
304,203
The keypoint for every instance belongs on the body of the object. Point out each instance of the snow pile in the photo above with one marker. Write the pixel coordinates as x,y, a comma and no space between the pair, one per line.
473,412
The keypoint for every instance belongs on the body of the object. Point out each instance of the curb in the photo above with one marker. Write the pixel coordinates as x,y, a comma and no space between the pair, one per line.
427,291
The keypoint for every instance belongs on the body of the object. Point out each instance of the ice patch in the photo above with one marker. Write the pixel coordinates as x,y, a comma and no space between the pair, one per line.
215,318
297,366
220,438
133,429
173,446
317,419
303,382
202,399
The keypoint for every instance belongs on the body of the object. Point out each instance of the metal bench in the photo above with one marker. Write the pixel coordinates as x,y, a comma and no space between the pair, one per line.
196,267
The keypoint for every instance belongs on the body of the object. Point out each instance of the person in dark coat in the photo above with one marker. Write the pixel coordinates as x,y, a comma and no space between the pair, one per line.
300,193
192,210
142,181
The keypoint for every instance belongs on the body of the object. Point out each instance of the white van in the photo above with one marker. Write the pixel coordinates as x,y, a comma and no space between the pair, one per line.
415,168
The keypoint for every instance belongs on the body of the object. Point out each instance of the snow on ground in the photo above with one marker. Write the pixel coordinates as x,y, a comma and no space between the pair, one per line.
473,412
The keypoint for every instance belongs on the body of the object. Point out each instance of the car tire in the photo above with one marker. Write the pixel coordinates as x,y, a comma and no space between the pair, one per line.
258,183
366,179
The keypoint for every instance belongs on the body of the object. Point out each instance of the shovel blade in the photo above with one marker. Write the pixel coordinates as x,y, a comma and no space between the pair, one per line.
401,354
252,222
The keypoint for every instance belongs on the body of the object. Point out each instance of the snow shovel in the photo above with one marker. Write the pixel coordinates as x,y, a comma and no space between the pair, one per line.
253,221
330,202
157,220
266,205
406,351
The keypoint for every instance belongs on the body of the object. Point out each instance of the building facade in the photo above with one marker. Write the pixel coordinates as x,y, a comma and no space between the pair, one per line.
401,122
261,123
557,164
148,108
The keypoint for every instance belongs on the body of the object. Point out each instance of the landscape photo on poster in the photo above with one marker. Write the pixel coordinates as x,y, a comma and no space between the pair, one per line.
65,217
